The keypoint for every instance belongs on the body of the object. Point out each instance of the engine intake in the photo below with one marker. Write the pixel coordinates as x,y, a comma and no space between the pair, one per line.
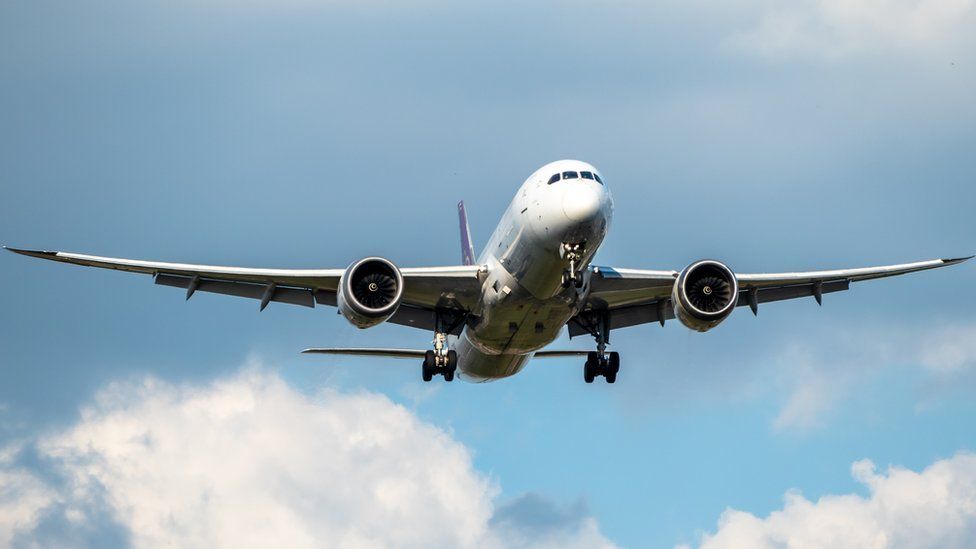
704,294
370,291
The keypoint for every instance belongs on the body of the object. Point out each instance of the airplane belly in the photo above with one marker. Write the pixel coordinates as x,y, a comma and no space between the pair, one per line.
477,366
518,323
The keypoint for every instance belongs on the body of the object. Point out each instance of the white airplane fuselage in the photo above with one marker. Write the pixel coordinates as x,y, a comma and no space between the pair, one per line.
525,305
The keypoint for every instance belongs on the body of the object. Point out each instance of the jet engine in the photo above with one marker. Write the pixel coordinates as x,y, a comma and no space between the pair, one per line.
370,292
704,295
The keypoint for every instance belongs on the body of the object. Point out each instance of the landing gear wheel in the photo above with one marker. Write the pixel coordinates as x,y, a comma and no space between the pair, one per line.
591,367
613,366
574,280
429,366
451,365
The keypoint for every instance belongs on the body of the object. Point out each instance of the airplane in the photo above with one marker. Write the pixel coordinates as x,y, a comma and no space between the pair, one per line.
491,315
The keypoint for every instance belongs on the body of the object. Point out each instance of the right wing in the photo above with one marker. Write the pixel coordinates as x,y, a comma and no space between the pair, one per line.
637,296
425,288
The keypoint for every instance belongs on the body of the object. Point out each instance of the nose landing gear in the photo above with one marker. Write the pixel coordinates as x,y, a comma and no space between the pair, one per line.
572,253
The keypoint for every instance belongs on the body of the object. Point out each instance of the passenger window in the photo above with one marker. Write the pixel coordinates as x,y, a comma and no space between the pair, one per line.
586,175
570,175
597,177
553,179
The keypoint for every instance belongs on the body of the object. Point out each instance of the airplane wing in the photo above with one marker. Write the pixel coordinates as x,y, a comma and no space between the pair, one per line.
635,296
425,288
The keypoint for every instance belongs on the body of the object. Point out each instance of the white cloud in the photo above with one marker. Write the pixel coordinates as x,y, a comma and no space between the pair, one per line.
814,385
934,508
23,497
840,28
950,351
815,377
248,461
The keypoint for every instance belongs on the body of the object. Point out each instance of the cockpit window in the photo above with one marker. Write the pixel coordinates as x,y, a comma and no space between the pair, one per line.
553,179
586,175
597,177
570,175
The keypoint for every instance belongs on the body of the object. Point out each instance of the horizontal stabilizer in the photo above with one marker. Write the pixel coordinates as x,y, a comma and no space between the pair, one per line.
414,354
356,351
560,354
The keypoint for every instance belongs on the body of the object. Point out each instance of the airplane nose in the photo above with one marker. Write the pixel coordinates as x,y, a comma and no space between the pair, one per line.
582,202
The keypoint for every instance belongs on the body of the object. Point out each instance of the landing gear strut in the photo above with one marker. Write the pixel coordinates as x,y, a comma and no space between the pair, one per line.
441,360
599,362
572,253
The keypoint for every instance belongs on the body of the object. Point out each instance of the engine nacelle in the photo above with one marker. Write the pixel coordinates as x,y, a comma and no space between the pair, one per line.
370,292
704,294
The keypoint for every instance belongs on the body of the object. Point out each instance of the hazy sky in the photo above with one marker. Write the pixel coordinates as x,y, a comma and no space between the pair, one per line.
304,133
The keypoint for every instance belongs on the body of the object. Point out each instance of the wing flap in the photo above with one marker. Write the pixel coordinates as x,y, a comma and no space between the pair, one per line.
293,296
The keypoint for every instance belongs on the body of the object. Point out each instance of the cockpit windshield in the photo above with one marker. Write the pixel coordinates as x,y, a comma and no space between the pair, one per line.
575,175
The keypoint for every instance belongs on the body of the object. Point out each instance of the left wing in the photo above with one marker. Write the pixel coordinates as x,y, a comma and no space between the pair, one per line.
425,288
635,296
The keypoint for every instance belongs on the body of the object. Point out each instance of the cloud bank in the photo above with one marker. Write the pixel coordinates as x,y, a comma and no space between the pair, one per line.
249,461
933,508
834,29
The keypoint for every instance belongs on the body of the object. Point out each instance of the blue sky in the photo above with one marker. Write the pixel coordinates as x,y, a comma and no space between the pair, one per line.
309,134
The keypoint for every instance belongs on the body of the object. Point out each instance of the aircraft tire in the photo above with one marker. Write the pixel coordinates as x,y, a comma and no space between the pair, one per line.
590,367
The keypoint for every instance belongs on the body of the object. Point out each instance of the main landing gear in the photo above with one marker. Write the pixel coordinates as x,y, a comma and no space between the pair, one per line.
572,253
441,360
606,366
440,363
599,362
